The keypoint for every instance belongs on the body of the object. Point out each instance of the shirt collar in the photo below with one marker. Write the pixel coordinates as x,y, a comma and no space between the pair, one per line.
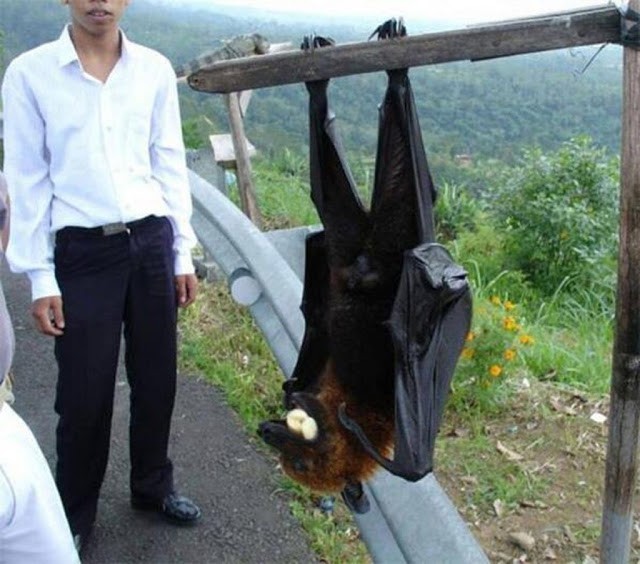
67,52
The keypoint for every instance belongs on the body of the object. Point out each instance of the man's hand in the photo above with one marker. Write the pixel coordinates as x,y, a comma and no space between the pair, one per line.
47,313
186,289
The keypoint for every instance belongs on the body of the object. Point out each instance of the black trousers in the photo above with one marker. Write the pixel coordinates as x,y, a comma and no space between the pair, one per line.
111,282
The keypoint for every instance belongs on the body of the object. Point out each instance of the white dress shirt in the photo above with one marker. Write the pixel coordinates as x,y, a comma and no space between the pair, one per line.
85,153
33,526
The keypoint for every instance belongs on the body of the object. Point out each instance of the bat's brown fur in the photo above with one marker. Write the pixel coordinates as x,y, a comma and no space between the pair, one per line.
358,374
335,458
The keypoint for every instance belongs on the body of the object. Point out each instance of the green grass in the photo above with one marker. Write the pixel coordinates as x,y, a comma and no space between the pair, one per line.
496,478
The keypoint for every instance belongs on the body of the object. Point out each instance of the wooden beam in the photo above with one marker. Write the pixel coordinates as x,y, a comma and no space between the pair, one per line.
624,411
248,200
565,29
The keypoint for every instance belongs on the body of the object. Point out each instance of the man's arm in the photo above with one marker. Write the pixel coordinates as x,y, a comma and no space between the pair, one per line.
169,168
26,166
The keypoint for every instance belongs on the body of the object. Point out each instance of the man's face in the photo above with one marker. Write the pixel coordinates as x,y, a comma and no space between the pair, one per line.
96,17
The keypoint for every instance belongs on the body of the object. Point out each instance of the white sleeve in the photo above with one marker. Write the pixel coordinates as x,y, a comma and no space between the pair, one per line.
7,501
169,167
26,166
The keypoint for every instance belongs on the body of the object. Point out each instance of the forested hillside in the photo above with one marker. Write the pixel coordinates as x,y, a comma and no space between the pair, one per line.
484,109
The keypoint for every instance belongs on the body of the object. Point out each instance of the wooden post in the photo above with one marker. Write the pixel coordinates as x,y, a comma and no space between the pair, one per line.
248,201
624,417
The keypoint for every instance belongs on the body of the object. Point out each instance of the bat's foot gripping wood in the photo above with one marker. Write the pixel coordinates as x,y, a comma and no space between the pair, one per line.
630,28
355,499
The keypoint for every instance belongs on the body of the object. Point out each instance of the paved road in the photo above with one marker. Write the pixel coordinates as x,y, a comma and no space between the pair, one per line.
244,519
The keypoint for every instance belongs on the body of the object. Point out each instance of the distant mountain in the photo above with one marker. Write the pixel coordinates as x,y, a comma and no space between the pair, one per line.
486,109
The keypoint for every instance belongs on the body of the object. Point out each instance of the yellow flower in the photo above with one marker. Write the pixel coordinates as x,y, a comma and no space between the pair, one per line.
467,353
526,339
495,370
509,323
509,305
470,336
509,354
495,300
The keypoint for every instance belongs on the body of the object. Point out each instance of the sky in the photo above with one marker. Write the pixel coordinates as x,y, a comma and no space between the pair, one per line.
462,11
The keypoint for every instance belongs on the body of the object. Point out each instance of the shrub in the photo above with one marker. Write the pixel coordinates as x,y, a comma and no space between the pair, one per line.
456,211
559,213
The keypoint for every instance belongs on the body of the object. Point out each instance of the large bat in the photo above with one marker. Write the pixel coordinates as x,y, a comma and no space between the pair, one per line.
386,310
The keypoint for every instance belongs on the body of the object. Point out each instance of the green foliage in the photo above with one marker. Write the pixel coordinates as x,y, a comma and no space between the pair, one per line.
290,163
283,196
492,352
196,131
558,211
455,211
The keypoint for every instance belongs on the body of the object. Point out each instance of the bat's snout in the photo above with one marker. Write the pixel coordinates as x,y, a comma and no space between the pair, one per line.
269,433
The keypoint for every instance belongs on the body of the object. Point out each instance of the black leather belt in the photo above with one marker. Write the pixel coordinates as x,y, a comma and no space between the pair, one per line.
108,229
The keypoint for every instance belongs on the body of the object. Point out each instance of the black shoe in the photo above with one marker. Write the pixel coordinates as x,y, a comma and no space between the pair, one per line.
175,508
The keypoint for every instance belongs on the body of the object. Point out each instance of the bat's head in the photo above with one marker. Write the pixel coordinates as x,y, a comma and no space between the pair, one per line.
315,449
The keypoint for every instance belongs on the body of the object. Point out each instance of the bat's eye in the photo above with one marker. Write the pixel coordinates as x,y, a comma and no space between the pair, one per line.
299,465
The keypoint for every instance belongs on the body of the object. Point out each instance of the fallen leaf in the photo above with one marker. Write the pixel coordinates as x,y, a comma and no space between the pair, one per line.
558,406
523,540
470,480
569,534
510,454
581,397
534,504
498,507
458,432
550,375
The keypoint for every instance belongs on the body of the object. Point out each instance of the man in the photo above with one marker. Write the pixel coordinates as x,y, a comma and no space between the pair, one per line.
33,527
100,223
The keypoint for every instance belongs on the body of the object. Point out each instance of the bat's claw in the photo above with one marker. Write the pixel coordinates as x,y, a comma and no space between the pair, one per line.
390,29
313,41
355,498
309,44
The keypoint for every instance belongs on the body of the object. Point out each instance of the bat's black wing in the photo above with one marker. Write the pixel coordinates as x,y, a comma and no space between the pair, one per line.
431,312
345,222
429,323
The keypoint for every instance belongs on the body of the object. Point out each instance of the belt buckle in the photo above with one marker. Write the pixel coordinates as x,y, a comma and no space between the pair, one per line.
114,228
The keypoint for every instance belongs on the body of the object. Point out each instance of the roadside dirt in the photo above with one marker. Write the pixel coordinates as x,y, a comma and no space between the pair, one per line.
529,479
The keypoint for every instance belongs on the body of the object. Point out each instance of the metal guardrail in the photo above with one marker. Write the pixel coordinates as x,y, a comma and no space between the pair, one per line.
408,522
